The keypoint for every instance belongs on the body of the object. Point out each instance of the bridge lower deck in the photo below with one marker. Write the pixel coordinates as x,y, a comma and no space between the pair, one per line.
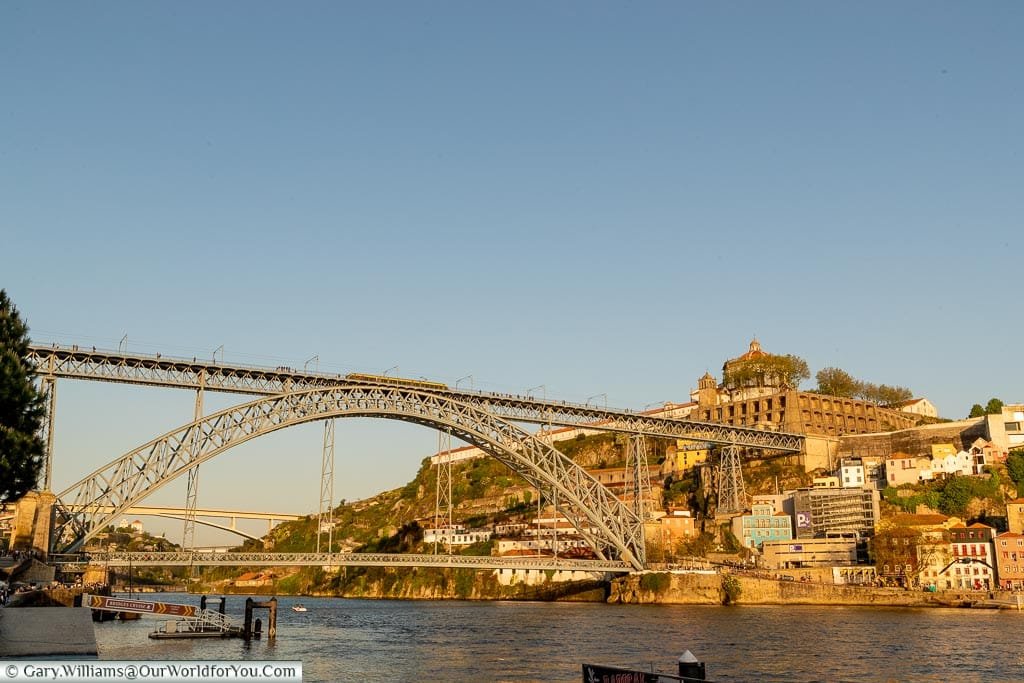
185,559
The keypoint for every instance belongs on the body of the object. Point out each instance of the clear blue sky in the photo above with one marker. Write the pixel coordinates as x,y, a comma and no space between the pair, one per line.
597,197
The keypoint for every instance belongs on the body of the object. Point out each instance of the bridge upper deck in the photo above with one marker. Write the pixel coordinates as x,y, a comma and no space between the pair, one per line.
156,370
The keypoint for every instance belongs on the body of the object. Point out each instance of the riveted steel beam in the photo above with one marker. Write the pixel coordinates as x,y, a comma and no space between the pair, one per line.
112,366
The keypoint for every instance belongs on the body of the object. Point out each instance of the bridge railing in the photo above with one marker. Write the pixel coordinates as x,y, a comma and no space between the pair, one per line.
124,559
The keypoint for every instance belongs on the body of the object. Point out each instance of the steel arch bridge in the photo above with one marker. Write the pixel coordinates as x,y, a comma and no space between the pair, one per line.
86,507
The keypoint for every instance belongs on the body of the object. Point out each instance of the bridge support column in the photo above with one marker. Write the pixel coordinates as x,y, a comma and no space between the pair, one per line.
49,388
443,489
188,534
639,482
33,521
325,520
732,495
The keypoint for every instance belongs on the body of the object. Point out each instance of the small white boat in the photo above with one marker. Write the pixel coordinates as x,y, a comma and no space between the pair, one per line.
299,608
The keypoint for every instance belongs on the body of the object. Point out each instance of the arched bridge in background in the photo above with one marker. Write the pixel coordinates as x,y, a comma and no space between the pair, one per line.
483,419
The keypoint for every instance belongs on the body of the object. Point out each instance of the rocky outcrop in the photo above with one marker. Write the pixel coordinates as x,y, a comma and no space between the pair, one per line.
667,588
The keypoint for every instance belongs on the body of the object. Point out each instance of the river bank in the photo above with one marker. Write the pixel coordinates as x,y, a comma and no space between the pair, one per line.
647,588
712,589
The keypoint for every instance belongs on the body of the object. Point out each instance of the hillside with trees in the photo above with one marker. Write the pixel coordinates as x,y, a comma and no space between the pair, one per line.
838,382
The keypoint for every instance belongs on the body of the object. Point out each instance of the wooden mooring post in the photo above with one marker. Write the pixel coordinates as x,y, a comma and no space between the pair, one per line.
248,632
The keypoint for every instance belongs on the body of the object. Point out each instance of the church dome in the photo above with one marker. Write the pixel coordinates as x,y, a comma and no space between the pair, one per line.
753,352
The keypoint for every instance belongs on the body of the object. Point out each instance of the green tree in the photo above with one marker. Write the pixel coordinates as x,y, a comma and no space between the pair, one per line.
956,495
884,394
993,407
22,408
837,382
767,370
1015,468
976,410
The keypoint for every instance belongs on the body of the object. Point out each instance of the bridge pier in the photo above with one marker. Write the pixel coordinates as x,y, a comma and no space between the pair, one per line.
33,522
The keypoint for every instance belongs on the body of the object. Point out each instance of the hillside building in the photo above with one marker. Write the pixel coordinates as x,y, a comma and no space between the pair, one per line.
839,550
1006,430
902,468
456,535
851,474
684,455
971,549
1015,516
917,406
675,526
774,406
762,524
1009,552
819,512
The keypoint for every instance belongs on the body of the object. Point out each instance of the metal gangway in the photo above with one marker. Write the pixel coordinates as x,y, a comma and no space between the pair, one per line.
189,622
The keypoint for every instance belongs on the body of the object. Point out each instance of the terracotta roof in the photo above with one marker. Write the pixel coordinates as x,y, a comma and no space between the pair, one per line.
904,404
979,525
1009,534
753,352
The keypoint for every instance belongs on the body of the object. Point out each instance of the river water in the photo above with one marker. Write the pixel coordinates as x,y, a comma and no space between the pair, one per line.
370,640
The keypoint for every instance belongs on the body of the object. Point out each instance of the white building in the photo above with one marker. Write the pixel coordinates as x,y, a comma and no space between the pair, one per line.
917,406
851,474
456,535
540,546
974,557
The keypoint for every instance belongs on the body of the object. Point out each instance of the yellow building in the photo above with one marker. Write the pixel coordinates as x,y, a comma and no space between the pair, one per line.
684,455
941,450
1015,516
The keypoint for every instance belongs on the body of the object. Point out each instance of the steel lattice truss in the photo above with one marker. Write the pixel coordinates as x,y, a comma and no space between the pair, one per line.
183,559
611,529
112,366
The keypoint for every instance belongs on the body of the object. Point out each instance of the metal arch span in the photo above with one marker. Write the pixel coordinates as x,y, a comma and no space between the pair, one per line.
86,507
212,525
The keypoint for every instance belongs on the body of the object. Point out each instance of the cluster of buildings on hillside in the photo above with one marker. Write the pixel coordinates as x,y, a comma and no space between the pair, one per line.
939,552
861,448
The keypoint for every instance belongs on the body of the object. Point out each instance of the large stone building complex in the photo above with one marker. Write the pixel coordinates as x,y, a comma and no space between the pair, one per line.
772,405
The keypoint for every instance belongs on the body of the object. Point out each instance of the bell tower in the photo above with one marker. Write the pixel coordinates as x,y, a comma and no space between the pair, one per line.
707,391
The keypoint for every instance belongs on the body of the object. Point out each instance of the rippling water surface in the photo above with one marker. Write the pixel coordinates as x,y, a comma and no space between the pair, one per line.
366,640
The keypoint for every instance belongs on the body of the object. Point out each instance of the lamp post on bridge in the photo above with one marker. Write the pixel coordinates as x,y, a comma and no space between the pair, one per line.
469,377
385,373
598,396
221,349
305,366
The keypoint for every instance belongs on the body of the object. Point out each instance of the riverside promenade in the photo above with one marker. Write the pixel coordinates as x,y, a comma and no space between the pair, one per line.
47,632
